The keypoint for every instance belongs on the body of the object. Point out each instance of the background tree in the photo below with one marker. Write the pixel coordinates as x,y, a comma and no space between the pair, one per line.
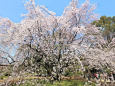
107,25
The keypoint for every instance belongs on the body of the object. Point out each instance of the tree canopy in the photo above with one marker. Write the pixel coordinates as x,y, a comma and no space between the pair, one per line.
107,25
50,44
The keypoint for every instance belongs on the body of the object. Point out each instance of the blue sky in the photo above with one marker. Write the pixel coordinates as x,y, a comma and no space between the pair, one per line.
14,8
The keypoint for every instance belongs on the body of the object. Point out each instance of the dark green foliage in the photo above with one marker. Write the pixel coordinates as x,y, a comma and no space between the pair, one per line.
107,25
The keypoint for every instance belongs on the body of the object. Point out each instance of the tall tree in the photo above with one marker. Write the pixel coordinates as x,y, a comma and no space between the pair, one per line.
107,25
52,44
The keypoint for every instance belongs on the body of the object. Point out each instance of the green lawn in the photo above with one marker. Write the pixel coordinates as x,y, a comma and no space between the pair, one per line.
61,83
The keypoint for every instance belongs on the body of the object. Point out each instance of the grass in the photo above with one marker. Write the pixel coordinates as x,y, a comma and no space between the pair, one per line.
35,81
61,83
31,80
69,83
